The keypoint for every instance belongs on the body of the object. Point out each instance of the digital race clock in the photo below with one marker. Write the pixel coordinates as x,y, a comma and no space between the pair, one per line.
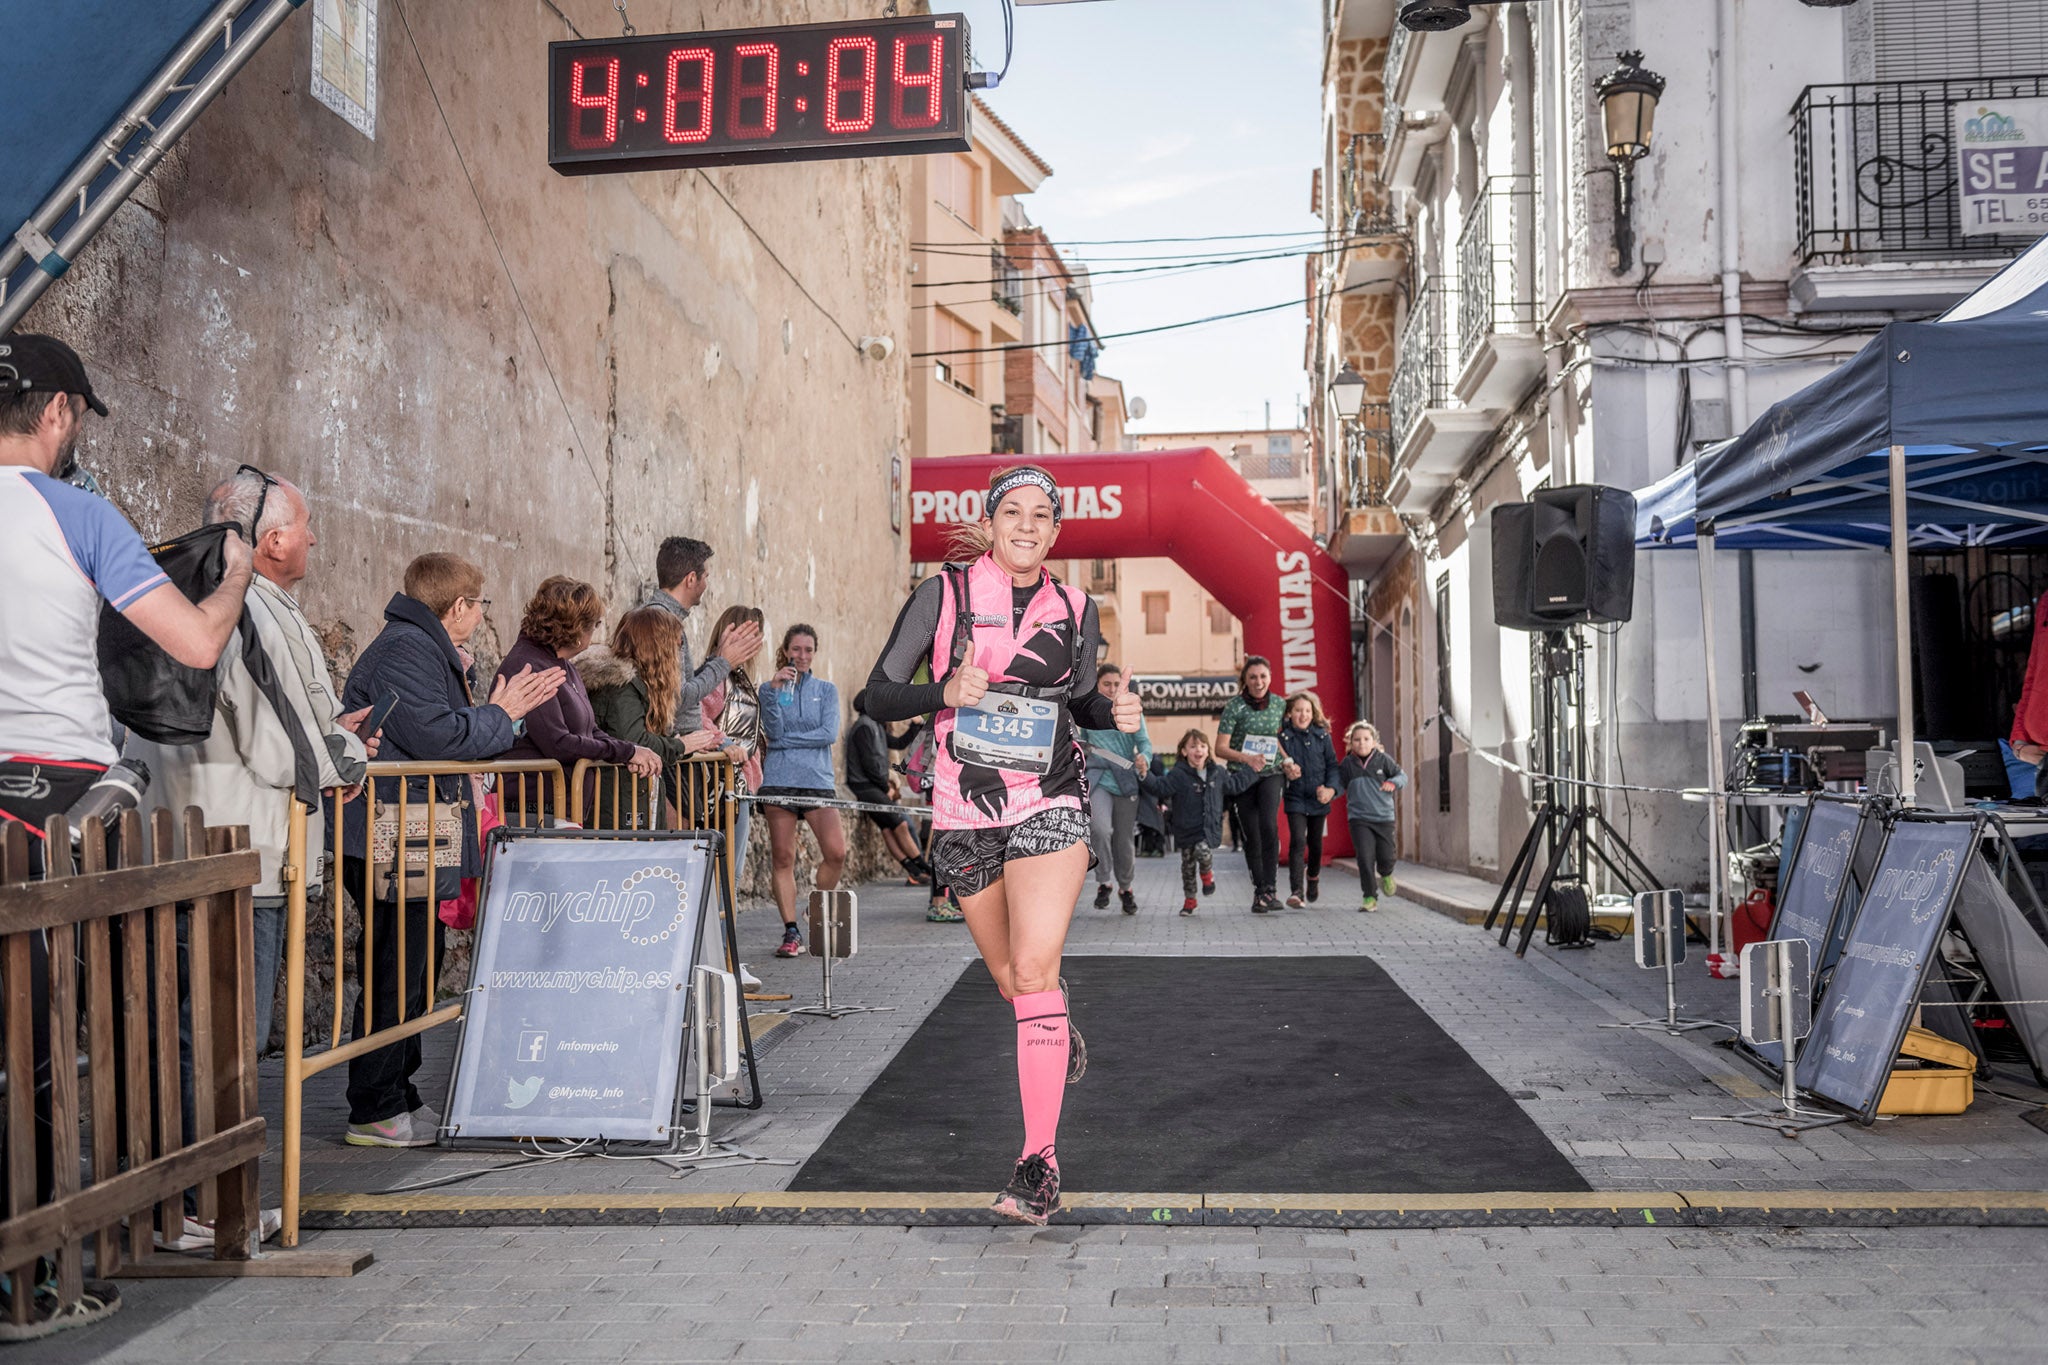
875,87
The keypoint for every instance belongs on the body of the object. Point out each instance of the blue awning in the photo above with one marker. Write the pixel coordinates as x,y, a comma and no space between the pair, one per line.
1965,396
67,74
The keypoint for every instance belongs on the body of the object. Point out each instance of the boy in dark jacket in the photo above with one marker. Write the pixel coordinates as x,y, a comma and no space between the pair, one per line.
1370,778
1196,789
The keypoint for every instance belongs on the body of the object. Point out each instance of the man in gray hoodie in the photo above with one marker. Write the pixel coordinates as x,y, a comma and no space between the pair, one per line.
682,569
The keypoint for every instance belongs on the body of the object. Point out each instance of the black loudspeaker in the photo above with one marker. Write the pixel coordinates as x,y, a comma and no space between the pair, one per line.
1567,557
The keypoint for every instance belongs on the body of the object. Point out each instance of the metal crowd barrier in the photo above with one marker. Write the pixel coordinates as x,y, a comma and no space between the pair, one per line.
420,845
696,793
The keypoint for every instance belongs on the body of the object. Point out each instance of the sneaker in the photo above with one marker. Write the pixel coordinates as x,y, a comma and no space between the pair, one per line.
1187,907
1259,906
1033,1194
1077,1050
397,1131
1295,902
1208,885
792,944
944,910
748,981
1129,900
1102,897
1387,885
426,1121
198,1234
1314,889
1369,903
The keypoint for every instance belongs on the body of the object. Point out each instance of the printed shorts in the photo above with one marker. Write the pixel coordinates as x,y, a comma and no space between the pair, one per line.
971,860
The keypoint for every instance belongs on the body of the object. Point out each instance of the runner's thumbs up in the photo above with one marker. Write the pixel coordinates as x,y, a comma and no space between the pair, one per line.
1130,712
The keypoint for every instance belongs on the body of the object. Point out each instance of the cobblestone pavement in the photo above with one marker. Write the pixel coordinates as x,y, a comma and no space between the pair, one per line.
1619,1103
1115,1295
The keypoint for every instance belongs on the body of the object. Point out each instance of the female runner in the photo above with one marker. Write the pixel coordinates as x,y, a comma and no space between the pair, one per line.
1012,653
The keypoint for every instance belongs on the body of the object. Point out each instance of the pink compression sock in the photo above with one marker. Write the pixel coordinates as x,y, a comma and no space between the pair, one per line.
1042,1044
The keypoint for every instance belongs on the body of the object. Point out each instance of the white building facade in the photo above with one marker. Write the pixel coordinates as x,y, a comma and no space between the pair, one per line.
1799,191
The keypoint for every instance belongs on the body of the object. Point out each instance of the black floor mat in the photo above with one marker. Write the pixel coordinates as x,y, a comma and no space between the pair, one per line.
1270,1075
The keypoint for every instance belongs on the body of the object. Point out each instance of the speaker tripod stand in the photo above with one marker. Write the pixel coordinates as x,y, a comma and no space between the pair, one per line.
1570,832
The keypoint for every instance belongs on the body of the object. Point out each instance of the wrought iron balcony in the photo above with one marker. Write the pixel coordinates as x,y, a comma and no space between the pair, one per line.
1425,363
1006,281
1397,52
1496,285
1369,456
1876,166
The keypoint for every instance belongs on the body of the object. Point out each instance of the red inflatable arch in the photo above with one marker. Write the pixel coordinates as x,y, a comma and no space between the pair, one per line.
1193,507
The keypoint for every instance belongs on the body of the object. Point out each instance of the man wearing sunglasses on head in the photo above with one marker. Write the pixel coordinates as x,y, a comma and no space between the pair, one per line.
278,726
62,550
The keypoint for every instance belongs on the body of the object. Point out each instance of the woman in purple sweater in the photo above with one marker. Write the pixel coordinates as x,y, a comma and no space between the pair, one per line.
559,621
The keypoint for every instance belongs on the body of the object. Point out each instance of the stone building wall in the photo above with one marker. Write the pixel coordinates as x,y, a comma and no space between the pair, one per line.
448,346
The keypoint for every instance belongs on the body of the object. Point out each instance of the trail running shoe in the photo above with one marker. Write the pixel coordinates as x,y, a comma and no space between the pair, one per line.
1077,1050
1102,897
1387,885
944,910
1128,899
1033,1194
396,1131
1187,907
1314,889
1369,903
1208,884
792,944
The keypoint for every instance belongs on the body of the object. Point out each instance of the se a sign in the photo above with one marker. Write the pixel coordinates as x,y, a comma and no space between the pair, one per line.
806,92
2003,175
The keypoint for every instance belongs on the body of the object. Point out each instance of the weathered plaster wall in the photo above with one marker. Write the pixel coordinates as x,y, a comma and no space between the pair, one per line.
634,364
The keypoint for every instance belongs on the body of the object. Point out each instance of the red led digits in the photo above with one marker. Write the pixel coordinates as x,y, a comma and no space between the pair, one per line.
838,84
699,95
934,46
580,99
766,90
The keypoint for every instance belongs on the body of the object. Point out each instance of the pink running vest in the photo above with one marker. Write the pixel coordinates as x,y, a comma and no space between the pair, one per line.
1039,653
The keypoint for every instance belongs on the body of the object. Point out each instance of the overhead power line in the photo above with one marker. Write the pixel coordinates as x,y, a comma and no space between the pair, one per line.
1167,263
1153,241
1137,332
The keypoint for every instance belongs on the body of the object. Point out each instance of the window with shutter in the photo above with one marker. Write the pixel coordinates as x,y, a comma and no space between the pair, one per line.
1917,40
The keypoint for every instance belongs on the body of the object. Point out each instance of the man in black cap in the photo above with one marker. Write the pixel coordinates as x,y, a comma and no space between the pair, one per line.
62,550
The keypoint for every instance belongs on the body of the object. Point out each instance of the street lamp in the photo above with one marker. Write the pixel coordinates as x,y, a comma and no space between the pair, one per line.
1628,109
1347,391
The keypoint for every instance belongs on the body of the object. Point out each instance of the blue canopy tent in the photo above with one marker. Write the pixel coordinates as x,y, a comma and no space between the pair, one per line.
92,94
1934,434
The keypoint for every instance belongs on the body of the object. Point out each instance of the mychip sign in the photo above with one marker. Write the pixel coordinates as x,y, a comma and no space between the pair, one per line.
580,986
2002,175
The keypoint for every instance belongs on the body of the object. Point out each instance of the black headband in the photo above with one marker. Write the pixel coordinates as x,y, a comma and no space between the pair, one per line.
1020,478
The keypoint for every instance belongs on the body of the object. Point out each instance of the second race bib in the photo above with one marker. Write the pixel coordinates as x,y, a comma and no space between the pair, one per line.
1008,732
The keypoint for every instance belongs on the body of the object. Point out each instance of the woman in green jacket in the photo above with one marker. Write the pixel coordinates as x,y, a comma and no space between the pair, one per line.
633,689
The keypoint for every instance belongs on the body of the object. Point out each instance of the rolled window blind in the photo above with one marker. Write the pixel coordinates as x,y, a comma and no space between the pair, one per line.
1919,40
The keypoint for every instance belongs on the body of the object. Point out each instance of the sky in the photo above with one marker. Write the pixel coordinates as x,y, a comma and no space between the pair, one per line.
1175,118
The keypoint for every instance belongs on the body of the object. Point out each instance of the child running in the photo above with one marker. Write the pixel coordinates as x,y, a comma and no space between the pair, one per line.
1370,778
1012,654
1196,789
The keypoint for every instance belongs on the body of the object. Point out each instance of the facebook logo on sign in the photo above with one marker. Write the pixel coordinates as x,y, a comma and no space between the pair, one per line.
533,1045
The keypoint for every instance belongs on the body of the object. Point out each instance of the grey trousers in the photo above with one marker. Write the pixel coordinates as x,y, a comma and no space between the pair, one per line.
1113,834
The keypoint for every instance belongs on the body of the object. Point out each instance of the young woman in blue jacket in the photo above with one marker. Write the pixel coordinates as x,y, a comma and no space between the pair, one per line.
800,723
1305,741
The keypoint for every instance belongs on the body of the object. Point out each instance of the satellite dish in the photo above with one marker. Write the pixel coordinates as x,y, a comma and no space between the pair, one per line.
1137,409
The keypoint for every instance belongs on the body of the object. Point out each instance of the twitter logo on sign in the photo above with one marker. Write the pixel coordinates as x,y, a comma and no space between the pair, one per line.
519,1094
